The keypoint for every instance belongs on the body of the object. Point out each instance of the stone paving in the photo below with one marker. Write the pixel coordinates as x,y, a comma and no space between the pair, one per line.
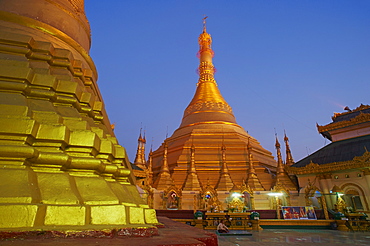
170,233
277,237
181,236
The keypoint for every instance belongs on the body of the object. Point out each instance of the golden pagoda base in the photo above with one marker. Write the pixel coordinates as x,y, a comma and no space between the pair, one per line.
68,200
61,168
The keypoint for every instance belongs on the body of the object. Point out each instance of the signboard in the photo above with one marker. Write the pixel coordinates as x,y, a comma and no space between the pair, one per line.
299,213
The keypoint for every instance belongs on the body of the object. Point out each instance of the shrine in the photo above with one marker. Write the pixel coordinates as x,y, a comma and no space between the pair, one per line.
210,158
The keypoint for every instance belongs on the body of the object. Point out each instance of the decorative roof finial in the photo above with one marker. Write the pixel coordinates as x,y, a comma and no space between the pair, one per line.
289,158
204,23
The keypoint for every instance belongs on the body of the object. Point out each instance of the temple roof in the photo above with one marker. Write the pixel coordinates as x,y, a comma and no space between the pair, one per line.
346,116
135,167
353,117
339,151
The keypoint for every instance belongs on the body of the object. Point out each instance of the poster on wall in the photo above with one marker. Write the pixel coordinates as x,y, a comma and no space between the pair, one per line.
299,213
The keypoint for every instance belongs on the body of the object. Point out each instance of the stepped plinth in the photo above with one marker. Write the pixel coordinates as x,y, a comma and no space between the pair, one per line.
61,167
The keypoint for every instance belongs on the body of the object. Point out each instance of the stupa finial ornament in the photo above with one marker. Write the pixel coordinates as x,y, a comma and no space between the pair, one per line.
207,102
204,23
205,40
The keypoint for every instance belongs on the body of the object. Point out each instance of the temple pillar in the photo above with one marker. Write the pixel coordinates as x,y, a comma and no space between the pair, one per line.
326,190
366,173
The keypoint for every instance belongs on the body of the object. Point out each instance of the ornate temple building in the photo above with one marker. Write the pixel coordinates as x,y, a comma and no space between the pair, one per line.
340,171
61,167
210,156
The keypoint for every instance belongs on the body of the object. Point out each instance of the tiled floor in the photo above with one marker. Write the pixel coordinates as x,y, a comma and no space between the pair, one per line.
278,237
179,236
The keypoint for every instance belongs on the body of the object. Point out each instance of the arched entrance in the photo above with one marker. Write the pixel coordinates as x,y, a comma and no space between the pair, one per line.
314,197
354,197
172,198
209,199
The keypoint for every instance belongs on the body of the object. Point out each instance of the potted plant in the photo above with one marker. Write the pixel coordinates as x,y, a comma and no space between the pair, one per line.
255,215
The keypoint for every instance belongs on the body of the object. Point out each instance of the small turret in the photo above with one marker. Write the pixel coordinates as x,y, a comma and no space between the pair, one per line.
150,168
164,179
252,180
140,152
289,158
282,178
225,183
280,168
192,180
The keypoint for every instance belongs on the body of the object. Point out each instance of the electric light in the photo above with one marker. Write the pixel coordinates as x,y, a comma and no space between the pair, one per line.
275,194
236,194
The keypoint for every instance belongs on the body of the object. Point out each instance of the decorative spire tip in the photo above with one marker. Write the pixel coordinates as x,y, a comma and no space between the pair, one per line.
204,23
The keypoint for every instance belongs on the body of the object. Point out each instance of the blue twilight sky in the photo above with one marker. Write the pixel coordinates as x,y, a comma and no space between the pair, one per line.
280,64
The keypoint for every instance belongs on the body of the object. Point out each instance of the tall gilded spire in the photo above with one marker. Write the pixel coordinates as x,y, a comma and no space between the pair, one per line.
140,152
224,182
282,178
280,168
165,163
164,179
224,168
252,180
289,158
150,167
192,159
207,106
192,180
143,147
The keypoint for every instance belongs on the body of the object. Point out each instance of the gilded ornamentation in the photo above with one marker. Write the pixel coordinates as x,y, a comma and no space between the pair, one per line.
361,107
78,5
340,205
366,171
208,105
61,165
361,118
289,158
358,162
280,188
172,198
310,191
210,200
282,177
236,205
358,188
245,189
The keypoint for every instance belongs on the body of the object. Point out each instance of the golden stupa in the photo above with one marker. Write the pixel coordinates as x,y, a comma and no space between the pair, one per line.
60,164
209,149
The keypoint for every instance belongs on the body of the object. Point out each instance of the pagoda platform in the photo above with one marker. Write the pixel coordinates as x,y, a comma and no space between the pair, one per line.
170,233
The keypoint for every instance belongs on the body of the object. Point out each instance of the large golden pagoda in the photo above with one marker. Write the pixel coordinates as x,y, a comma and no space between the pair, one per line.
61,167
210,149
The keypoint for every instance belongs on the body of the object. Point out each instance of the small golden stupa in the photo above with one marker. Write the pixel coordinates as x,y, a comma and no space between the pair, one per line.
61,167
